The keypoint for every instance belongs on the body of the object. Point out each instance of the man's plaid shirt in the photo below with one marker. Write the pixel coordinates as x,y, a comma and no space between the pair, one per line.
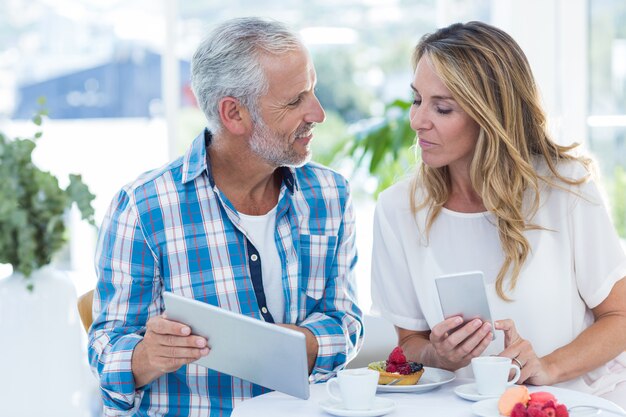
173,230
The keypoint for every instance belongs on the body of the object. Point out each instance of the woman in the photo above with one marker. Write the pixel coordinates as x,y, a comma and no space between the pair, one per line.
494,193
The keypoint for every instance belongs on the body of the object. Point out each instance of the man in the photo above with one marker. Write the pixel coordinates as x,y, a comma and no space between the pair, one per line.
242,221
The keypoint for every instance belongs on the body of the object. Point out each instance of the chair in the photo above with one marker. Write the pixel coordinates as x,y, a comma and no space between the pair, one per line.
379,340
85,303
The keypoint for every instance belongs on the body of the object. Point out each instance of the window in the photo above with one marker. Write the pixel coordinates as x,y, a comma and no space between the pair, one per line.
116,77
607,104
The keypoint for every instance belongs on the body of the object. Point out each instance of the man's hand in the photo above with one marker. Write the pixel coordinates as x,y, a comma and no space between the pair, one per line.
166,346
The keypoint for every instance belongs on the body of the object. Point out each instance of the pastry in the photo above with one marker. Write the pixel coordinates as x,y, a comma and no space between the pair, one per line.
396,370
518,402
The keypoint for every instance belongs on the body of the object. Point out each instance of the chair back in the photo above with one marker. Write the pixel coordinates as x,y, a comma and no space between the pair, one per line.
85,303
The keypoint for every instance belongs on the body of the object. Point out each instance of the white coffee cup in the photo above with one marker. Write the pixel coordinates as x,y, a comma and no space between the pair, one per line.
492,374
355,388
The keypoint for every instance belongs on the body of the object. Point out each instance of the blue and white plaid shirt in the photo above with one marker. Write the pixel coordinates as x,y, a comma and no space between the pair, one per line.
173,230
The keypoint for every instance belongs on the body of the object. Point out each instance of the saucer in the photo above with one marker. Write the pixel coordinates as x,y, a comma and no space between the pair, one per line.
381,407
469,392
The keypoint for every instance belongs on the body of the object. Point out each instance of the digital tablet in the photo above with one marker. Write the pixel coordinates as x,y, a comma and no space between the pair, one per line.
464,295
263,353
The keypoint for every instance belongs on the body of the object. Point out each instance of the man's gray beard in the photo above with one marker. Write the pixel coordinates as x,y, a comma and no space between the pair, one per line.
274,149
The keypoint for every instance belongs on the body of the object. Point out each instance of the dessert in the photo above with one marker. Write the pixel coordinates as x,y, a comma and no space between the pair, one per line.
515,395
397,370
518,402
540,398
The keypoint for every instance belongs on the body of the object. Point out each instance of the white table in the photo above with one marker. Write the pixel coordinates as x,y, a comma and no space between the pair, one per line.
440,402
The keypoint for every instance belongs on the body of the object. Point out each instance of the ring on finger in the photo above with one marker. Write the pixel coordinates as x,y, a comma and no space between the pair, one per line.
517,362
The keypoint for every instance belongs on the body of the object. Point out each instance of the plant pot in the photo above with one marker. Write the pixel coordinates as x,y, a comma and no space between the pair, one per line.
43,359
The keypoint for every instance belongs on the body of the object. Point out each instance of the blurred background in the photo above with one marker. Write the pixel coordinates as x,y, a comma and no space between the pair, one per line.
115,76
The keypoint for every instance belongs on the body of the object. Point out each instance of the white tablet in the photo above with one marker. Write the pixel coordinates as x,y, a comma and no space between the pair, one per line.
464,295
263,353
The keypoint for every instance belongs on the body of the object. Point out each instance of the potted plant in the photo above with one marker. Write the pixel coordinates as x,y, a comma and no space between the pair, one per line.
42,347
33,206
386,146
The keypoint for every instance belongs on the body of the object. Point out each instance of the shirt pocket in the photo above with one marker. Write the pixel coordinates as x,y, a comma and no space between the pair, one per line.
317,257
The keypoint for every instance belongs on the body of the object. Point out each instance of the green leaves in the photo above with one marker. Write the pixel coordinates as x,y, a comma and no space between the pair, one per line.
79,193
33,206
386,148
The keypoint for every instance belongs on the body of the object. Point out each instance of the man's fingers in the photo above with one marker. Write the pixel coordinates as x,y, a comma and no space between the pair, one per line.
167,365
169,359
183,353
167,334
182,341
163,326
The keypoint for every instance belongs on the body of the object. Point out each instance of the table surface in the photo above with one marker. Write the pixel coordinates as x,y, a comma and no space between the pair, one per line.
441,402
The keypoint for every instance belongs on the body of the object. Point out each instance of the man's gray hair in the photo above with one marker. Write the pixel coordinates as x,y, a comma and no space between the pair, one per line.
227,64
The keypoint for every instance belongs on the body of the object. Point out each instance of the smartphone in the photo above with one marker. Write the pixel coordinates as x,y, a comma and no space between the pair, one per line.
464,295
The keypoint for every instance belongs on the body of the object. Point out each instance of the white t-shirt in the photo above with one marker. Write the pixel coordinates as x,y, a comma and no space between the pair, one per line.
573,266
260,230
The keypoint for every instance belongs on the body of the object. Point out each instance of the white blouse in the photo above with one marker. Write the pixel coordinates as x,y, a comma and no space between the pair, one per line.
575,261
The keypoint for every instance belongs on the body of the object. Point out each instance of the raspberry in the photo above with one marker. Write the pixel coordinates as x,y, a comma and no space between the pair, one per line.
519,410
535,412
561,411
397,356
549,411
541,404
549,404
404,369
391,367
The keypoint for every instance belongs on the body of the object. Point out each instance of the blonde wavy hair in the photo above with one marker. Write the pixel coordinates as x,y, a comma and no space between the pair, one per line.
490,78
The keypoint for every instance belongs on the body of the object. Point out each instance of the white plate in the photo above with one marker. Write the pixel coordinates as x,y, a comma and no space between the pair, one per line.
469,392
489,408
382,406
486,408
431,379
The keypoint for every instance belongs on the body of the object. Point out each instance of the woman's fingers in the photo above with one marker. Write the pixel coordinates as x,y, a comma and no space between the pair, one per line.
456,348
479,341
510,332
474,330
441,331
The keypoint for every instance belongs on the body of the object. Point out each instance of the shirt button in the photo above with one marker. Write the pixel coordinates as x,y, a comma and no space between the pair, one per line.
264,310
254,257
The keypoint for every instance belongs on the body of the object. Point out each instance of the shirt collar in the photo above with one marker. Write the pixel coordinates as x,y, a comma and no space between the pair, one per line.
195,163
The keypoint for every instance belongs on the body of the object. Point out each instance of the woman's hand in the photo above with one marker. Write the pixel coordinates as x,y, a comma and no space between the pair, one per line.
534,369
455,349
